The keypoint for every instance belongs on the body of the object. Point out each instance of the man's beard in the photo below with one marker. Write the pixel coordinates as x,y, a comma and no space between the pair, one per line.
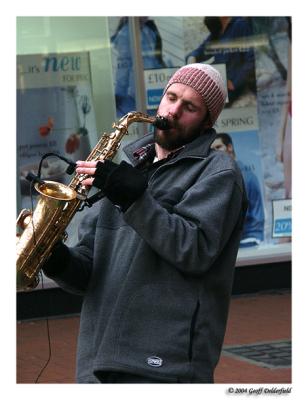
174,140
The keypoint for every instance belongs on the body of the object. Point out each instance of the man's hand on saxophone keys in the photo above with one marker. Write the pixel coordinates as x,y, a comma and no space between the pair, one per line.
121,183
87,168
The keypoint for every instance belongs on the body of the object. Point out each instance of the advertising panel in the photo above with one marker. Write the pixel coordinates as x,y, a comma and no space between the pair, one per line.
55,115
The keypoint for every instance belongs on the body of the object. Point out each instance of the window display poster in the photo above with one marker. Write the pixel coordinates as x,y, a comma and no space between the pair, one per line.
257,55
154,56
55,114
273,75
238,135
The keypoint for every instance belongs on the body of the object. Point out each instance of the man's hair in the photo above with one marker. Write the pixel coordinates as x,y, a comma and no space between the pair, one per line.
225,138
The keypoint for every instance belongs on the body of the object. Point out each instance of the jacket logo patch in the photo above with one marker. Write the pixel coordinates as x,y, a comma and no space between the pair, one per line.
154,361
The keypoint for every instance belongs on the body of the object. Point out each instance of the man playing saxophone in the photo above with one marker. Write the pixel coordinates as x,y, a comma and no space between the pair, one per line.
155,257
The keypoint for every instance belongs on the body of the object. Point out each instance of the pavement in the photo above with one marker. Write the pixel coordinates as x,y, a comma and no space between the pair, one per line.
257,345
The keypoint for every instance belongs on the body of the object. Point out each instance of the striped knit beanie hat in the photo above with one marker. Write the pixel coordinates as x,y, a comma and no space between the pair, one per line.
207,81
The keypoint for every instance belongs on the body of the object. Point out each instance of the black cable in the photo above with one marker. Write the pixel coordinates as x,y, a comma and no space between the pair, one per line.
42,283
71,164
48,336
32,211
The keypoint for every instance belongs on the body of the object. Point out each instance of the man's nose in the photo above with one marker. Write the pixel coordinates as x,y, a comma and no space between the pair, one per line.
175,110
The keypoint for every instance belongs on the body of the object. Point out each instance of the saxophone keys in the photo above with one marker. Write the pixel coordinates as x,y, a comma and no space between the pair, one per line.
24,218
64,236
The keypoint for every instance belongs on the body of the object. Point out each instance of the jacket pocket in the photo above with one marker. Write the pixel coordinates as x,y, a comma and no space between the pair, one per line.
156,330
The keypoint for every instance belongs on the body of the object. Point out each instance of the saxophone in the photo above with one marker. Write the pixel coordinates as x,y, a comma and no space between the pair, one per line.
58,203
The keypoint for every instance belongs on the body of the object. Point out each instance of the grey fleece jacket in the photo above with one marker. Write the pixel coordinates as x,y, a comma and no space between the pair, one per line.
156,280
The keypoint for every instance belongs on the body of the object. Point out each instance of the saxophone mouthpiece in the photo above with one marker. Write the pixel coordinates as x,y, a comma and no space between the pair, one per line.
161,123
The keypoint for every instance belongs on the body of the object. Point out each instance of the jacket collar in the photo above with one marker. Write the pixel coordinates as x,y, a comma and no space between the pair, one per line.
200,147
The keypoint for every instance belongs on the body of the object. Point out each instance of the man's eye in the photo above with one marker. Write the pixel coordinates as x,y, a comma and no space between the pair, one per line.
171,97
190,108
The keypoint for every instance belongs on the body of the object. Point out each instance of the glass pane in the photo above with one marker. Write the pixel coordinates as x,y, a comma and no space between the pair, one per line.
253,55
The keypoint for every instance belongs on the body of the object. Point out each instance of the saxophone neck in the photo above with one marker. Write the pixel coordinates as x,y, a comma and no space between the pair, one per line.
136,116
131,117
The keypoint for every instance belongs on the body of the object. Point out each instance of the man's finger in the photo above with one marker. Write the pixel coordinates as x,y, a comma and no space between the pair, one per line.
86,164
88,171
88,182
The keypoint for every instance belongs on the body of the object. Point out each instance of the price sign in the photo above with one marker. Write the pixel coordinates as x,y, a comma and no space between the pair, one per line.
155,82
282,220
